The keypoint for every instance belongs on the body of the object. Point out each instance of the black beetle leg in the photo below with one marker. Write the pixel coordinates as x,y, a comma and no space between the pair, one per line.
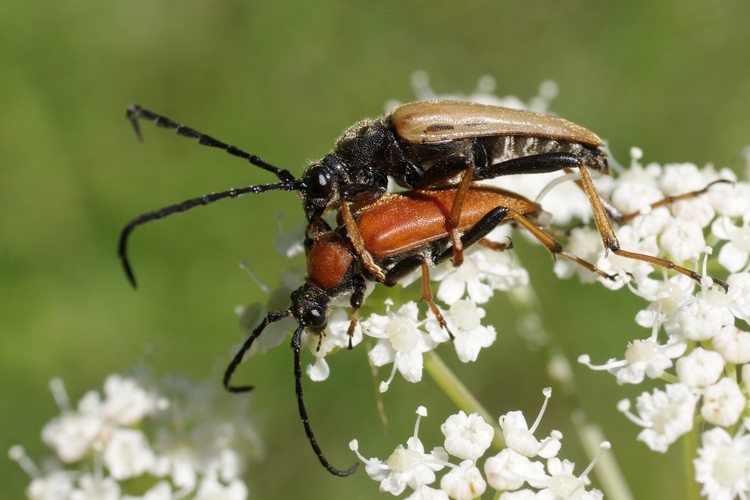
356,300
534,164
477,233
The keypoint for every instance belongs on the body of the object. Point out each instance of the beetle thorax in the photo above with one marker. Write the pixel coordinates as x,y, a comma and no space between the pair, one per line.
329,261
361,150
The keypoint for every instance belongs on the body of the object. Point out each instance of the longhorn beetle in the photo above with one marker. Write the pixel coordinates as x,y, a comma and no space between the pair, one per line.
420,145
402,232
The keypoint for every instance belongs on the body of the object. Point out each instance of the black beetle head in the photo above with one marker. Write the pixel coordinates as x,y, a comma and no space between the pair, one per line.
310,307
320,184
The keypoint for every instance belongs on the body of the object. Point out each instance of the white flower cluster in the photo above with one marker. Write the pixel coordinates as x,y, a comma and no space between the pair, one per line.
700,340
131,442
404,334
527,468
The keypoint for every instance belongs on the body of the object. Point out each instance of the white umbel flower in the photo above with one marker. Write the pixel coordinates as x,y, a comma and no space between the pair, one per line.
520,437
723,465
733,344
735,252
96,488
700,368
57,484
704,316
126,402
128,454
739,294
464,482
467,436
664,415
406,466
683,239
400,341
723,403
335,336
509,470
643,357
427,493
464,321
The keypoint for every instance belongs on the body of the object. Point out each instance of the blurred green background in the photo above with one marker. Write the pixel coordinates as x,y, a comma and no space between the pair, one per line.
283,79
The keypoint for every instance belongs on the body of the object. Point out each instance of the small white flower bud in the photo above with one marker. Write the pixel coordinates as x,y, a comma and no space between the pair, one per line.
464,482
467,437
723,403
733,344
700,368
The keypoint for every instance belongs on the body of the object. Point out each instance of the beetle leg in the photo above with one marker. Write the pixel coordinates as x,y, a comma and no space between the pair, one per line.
427,297
406,266
667,200
603,223
356,300
494,245
402,268
614,214
362,194
451,223
477,232
359,245
554,246
534,164
609,238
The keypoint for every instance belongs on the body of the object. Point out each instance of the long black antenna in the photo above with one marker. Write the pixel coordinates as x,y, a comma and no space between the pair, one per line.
134,112
237,359
296,346
187,205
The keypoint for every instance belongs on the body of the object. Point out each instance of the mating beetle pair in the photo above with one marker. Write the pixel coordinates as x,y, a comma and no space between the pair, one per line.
436,149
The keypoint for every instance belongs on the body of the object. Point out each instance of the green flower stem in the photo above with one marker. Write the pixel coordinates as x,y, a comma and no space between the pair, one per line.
459,394
526,305
689,450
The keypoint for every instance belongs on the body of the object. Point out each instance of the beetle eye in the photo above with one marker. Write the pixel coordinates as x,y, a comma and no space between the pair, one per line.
315,318
318,182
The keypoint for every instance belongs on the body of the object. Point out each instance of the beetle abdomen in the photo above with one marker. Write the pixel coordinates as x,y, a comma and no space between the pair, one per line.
504,148
398,223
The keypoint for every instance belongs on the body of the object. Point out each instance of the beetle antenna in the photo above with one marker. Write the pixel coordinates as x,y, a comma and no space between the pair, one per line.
134,112
187,205
272,317
296,346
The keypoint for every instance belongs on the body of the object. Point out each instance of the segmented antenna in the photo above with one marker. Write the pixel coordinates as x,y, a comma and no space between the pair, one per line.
296,346
187,205
271,317
134,112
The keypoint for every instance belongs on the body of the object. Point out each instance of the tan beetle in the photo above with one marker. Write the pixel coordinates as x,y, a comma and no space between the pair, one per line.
420,145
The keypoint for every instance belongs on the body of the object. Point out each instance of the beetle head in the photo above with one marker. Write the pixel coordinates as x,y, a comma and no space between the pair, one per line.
310,307
320,184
